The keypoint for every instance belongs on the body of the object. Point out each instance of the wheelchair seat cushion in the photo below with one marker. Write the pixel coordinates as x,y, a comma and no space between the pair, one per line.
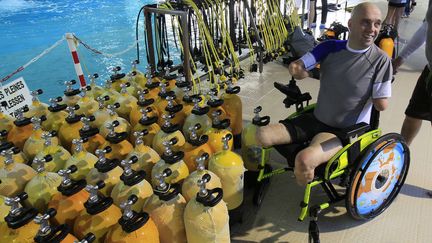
305,126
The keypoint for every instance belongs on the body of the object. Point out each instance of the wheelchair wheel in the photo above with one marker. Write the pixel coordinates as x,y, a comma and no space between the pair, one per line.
262,187
377,177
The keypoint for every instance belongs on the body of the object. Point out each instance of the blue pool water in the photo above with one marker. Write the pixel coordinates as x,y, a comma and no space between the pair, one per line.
27,27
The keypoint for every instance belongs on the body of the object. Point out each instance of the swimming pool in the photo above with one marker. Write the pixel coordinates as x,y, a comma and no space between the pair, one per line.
28,27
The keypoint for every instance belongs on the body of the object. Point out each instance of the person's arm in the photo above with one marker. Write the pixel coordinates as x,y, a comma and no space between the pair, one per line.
380,104
297,69
381,89
416,41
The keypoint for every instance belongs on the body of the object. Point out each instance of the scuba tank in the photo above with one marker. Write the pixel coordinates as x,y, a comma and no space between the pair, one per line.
18,156
161,102
82,159
170,79
71,97
117,78
137,77
152,85
106,170
102,114
127,102
41,188
94,139
99,216
172,160
132,182
6,122
18,226
95,90
123,127
14,176
173,108
386,39
147,157
121,147
198,116
233,107
195,146
228,166
22,130
187,99
70,130
70,200
250,150
215,104
48,233
219,130
56,115
148,123
166,208
87,104
37,108
133,226
35,143
59,154
167,132
179,90
142,103
189,186
206,216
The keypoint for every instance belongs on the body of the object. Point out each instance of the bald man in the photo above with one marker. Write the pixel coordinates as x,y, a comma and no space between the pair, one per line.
355,75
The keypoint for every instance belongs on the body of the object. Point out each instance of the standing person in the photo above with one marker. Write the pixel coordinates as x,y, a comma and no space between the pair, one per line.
347,93
313,14
420,104
394,12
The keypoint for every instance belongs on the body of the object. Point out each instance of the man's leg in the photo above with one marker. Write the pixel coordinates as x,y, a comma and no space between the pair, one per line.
322,147
273,134
410,128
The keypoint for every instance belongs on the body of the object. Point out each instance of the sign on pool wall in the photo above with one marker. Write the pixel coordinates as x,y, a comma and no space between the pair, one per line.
13,96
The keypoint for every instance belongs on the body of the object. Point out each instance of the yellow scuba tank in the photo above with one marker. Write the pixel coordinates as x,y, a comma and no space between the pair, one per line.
22,130
173,108
106,170
99,216
82,159
179,90
70,129
147,157
37,108
102,114
43,186
207,214
167,132
148,123
137,76
172,160
233,107
133,226
56,115
385,40
96,90
110,92
88,105
153,86
14,176
70,201
35,143
160,101
195,146
250,150
219,130
59,154
166,208
215,104
132,182
123,126
127,102
189,186
117,78
228,166
117,141
94,139
198,116
18,156
187,101
71,97
18,226
49,233
6,122
143,103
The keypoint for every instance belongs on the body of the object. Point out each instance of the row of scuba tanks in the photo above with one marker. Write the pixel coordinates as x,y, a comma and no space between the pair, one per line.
128,150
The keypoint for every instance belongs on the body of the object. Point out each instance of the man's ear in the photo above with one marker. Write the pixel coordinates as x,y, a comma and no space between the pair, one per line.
349,24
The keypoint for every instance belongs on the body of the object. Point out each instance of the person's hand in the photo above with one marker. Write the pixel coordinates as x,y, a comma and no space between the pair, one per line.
297,70
396,63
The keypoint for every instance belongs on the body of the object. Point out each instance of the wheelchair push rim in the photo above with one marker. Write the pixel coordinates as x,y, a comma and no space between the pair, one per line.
378,177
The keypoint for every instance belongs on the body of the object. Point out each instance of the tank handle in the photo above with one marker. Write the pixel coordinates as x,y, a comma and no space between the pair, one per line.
162,186
103,164
35,94
139,136
201,160
112,108
131,220
111,126
40,162
93,78
88,238
171,106
193,131
42,220
124,87
209,198
8,155
18,216
101,100
79,144
129,176
225,140
47,136
69,187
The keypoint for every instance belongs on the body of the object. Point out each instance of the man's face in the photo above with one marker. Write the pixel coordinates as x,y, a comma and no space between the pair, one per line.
364,27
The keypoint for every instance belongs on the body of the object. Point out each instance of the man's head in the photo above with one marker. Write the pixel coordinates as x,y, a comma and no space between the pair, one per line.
364,25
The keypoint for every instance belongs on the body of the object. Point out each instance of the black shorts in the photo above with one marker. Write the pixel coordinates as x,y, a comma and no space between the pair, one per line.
420,103
397,3
304,127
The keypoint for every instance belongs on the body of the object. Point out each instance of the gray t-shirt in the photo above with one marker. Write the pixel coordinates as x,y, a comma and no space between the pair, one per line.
349,80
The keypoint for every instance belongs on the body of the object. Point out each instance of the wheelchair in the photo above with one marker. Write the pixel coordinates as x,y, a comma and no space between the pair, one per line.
371,167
